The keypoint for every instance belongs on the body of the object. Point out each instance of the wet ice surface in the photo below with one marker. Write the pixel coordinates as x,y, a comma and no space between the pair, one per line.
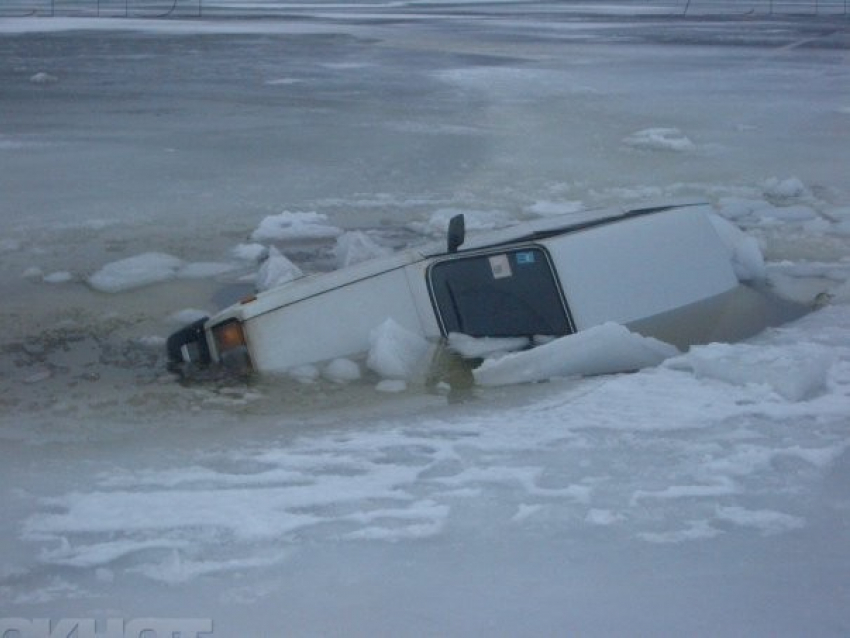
703,496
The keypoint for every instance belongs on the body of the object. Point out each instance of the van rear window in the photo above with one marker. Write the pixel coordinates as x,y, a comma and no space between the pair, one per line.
501,294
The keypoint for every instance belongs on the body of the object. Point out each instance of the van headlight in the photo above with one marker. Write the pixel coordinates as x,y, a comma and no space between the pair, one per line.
230,344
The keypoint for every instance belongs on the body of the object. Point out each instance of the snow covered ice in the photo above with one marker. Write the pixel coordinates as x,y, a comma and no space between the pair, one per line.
155,170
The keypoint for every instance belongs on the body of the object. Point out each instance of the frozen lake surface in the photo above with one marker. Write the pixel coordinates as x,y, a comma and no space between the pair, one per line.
703,496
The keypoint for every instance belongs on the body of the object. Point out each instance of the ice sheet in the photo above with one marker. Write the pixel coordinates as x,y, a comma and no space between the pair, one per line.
706,496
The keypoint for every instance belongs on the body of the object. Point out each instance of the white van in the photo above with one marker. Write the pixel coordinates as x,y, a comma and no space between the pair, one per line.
550,277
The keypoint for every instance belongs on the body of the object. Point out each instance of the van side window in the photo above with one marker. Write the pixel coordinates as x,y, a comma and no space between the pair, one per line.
499,294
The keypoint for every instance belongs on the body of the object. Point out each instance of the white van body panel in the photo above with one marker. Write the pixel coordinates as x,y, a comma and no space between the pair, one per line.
332,324
640,267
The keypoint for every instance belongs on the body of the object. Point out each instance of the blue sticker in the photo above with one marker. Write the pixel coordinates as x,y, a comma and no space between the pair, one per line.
525,258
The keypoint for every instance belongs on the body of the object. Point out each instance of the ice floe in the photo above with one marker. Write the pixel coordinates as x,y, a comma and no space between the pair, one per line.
135,272
276,270
295,226
549,208
342,371
59,277
305,374
42,77
391,386
785,189
604,349
474,219
252,253
397,353
744,250
150,268
356,246
484,347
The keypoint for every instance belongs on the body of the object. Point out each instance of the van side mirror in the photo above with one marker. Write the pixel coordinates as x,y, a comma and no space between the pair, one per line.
457,233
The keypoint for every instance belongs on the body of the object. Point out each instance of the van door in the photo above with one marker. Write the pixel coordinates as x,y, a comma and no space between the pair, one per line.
510,292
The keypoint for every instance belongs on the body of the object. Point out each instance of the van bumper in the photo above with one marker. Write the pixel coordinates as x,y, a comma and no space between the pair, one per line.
188,345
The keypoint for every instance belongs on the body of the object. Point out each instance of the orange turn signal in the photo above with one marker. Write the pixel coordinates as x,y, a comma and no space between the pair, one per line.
228,335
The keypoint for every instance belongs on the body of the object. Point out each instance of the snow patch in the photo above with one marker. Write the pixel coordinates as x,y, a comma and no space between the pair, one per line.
767,522
603,517
787,214
154,342
722,486
99,554
38,376
660,139
525,511
796,373
695,531
282,82
176,568
43,77
59,277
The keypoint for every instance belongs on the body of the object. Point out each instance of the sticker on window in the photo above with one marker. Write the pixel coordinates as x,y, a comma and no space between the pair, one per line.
500,266
525,258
